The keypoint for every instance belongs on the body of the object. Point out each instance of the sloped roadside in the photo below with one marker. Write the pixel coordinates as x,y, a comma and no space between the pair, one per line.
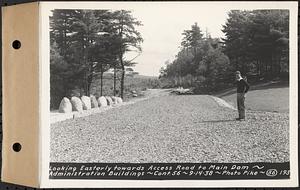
271,97
271,100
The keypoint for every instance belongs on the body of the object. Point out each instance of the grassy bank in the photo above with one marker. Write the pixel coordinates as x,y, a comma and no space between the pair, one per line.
271,96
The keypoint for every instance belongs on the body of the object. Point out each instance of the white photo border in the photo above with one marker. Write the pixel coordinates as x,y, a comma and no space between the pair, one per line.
45,182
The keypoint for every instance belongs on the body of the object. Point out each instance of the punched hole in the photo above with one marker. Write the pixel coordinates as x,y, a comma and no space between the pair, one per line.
16,44
17,147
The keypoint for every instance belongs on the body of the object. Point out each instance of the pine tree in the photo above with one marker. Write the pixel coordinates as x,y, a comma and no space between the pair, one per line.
127,38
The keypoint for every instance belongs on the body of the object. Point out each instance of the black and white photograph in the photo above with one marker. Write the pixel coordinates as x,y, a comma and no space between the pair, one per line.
170,91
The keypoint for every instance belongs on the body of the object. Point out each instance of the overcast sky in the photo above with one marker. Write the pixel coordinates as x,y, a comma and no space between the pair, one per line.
162,31
164,22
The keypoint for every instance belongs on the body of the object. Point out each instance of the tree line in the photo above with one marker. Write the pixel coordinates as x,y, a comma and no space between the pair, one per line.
85,44
256,43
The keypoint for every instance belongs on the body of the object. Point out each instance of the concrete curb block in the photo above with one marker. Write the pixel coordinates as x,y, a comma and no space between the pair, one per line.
57,117
222,103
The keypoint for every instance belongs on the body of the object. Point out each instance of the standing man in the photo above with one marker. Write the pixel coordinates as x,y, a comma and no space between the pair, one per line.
242,89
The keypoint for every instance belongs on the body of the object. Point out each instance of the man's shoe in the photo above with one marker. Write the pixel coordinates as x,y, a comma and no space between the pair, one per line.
240,119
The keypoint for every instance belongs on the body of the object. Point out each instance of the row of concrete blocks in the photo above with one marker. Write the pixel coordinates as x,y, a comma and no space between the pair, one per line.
87,103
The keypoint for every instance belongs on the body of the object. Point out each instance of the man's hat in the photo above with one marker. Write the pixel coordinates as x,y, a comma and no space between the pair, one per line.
237,72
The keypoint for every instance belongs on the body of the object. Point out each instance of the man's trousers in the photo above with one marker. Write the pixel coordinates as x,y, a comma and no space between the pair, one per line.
241,105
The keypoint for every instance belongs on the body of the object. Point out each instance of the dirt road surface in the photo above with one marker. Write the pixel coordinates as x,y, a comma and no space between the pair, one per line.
170,128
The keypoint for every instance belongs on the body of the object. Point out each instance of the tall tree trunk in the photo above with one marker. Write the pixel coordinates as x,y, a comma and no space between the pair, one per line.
195,51
90,76
122,77
85,62
266,63
89,80
101,81
272,67
81,93
279,65
85,84
89,88
259,68
180,80
115,79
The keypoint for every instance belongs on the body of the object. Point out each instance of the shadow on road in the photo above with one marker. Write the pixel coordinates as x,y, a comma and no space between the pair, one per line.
218,121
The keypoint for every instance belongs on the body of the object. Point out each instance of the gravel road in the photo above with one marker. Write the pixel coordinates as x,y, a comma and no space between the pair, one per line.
172,129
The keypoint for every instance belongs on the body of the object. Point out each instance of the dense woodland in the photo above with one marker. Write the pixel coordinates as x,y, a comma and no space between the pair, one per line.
256,43
85,44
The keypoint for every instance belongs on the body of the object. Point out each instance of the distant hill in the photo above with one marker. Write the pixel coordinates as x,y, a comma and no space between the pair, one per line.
145,77
133,82
110,74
